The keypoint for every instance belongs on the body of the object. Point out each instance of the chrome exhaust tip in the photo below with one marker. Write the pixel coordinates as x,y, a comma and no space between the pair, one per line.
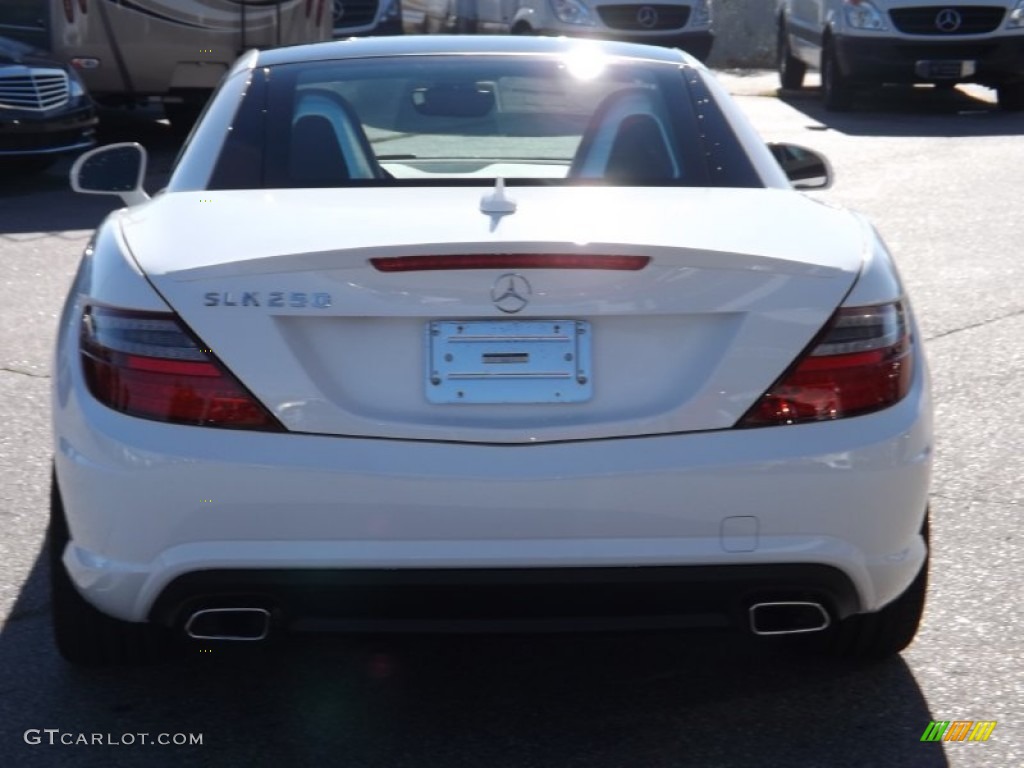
788,618
242,624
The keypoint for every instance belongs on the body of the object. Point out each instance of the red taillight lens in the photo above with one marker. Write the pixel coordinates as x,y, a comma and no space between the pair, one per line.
861,363
147,364
69,10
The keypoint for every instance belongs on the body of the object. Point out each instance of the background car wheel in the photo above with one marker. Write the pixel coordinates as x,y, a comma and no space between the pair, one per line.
83,634
791,69
835,88
875,636
1011,97
522,29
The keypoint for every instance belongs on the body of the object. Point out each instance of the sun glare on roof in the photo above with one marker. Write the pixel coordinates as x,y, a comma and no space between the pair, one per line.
585,62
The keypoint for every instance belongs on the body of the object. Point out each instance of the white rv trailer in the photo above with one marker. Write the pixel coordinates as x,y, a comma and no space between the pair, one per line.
176,51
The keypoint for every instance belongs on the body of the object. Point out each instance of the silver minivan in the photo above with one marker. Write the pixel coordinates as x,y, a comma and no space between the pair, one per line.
683,24
858,43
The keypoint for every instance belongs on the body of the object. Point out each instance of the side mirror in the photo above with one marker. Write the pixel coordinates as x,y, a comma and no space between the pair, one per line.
116,169
805,168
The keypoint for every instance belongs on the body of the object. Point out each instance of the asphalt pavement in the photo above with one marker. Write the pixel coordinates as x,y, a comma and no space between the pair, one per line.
940,175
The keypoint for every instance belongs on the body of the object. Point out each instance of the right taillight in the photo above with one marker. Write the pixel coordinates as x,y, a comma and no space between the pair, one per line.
861,363
147,364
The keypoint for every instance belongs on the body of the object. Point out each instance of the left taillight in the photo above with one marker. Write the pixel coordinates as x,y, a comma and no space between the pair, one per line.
147,364
862,362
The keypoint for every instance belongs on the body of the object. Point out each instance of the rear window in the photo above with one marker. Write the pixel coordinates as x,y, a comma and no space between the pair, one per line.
444,120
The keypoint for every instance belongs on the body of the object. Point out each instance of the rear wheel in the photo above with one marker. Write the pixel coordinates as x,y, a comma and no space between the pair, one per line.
1011,97
875,636
791,69
835,88
83,634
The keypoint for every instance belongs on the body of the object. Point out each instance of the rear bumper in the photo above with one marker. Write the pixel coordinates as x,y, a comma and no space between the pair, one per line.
152,506
895,60
534,599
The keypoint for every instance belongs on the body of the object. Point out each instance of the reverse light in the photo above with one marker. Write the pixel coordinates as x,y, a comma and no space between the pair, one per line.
861,363
862,14
147,364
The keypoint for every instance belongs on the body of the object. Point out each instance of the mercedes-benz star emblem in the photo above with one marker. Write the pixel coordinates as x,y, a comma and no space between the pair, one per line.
511,292
948,20
647,17
339,11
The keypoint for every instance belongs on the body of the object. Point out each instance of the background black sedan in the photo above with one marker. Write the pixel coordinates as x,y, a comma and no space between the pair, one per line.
44,109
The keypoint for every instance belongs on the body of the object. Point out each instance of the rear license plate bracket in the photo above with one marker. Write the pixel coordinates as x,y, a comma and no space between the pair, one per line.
508,361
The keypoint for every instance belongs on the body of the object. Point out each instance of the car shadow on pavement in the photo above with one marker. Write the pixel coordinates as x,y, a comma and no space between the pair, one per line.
55,207
911,111
530,700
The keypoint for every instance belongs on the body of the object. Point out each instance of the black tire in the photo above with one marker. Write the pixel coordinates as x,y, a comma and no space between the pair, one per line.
791,69
522,28
877,636
835,88
84,635
1011,97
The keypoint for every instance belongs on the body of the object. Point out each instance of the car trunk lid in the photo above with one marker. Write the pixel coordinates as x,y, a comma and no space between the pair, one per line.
282,286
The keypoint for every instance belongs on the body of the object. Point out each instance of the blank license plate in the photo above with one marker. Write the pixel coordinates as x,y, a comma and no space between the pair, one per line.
945,70
508,361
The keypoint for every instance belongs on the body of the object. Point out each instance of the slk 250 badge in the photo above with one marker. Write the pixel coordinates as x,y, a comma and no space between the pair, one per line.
293,299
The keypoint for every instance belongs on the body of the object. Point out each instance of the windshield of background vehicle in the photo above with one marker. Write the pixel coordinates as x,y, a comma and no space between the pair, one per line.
444,120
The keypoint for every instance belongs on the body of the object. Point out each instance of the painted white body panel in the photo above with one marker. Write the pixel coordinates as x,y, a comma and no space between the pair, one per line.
850,494
686,344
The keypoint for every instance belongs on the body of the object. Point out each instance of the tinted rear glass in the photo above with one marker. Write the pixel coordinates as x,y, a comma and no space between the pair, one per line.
443,120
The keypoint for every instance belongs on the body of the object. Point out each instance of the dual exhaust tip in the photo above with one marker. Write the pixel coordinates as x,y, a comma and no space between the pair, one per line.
243,624
788,618
253,624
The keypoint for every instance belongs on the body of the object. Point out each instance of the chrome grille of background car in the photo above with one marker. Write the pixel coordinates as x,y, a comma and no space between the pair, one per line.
37,89
354,13
974,20
628,16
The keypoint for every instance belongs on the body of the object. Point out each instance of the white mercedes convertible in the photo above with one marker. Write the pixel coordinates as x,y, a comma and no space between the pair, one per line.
502,333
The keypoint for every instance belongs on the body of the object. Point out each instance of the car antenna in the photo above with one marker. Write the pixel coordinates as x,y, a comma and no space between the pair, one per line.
497,202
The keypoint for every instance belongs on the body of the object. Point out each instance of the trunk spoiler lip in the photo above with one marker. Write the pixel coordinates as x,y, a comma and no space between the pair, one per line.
362,258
